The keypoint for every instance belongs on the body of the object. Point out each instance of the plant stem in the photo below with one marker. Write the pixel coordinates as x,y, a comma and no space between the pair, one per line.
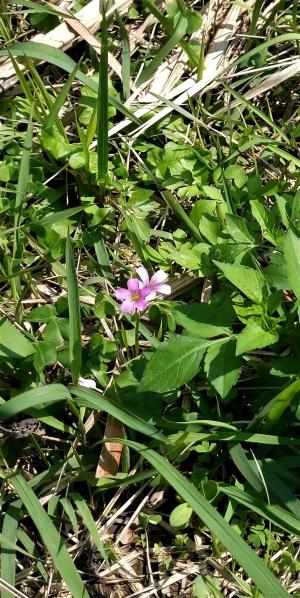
136,336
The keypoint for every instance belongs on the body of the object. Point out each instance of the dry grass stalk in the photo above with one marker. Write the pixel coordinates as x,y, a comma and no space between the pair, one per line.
86,22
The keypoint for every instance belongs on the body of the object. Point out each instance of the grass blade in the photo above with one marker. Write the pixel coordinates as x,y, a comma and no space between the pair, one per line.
177,35
273,411
89,523
53,541
125,58
102,122
74,314
103,259
277,515
93,400
59,101
8,555
35,397
247,558
20,195
43,52
246,468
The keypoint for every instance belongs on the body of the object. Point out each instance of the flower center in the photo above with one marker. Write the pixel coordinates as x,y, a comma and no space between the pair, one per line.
135,296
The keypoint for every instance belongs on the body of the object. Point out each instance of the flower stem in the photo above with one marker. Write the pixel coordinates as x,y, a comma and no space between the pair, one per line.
136,336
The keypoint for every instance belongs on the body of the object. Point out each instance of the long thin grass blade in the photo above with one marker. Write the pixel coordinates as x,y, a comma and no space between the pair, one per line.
8,556
35,397
93,400
247,558
102,126
74,314
20,195
53,541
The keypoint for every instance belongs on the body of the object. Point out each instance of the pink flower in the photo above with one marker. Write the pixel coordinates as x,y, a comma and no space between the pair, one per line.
155,285
134,298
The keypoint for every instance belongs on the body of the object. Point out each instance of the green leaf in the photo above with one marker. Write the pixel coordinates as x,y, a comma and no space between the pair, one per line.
209,227
222,366
180,516
246,467
247,558
102,104
59,101
265,219
22,186
174,363
74,314
254,336
247,280
238,229
54,543
36,397
291,250
13,343
237,174
204,319
44,314
45,354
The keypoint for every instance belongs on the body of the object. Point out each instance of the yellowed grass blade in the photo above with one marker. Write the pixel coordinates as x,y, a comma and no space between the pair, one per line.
111,452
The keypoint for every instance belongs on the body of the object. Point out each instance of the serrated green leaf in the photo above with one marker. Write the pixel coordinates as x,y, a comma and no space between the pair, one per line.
254,336
174,363
247,280
222,366
204,319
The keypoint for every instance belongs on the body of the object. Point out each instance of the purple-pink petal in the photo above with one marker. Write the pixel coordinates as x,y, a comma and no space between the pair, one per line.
143,274
122,294
159,277
144,292
127,307
133,285
141,304
150,295
163,289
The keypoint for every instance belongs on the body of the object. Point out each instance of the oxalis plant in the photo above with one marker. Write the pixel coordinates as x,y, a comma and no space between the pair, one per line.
149,330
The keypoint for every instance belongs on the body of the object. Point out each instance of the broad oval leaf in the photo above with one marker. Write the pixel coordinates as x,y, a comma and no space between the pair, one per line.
181,515
174,363
247,280
204,319
222,366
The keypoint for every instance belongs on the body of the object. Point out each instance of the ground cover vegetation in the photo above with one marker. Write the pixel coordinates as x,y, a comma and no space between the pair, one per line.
149,300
